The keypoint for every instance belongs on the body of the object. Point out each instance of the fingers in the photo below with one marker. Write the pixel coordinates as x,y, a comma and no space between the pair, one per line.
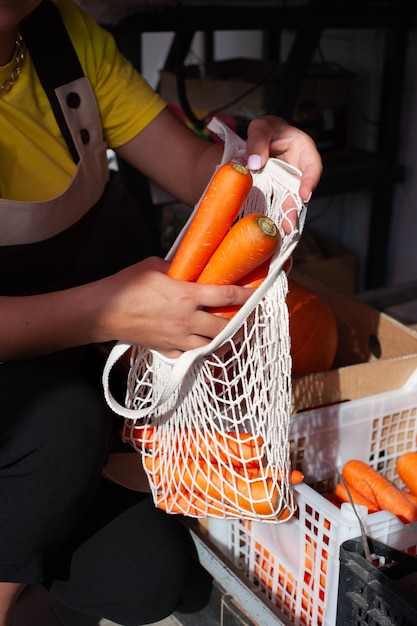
185,323
203,328
290,218
309,180
260,132
272,136
221,295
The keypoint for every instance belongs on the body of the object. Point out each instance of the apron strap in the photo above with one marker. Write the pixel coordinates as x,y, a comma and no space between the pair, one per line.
48,42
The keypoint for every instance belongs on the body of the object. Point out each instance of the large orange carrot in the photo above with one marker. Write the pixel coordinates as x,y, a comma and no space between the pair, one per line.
296,477
216,212
250,241
256,276
374,486
253,280
342,492
230,447
407,470
410,496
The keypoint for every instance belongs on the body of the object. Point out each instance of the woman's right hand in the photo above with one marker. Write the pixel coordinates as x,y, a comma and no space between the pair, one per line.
143,305
139,304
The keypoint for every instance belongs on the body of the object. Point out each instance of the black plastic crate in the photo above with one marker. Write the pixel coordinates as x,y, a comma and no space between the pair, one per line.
381,593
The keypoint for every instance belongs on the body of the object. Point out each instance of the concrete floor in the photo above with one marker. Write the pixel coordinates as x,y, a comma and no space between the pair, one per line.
36,608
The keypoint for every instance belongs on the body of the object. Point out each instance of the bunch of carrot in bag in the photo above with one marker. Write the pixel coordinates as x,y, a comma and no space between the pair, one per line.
218,248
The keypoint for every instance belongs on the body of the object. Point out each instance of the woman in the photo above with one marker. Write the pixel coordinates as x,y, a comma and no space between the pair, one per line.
101,549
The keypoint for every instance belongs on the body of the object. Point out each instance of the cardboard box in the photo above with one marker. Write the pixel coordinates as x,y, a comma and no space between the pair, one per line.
326,261
246,88
375,353
225,86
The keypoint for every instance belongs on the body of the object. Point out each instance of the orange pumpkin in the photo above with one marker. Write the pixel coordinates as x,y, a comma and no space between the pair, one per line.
313,331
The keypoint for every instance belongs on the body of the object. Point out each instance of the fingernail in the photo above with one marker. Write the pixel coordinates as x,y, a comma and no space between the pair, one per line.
307,199
254,162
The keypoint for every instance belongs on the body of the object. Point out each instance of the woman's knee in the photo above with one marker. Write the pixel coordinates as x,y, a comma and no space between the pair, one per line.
138,566
52,411
54,436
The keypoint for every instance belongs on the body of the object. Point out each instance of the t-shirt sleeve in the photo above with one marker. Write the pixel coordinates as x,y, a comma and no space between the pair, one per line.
127,103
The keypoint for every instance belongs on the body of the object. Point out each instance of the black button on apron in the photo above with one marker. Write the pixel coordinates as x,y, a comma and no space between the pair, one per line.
73,100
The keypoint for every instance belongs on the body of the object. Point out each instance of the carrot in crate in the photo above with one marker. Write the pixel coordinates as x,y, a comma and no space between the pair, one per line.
373,485
342,492
407,470
410,496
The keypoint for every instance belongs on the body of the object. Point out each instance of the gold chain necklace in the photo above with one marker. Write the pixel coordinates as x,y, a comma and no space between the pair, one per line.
19,57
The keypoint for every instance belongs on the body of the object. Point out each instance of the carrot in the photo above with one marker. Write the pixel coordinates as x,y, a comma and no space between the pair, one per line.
342,493
197,493
217,210
376,487
249,495
238,449
253,280
251,240
357,475
231,447
232,491
407,470
195,504
256,276
296,477
285,514
184,501
410,496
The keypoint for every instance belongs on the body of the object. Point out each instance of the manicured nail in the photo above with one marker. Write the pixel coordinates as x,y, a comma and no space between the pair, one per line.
254,162
307,199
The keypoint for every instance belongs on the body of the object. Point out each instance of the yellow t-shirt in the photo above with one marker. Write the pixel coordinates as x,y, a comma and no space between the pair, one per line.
35,163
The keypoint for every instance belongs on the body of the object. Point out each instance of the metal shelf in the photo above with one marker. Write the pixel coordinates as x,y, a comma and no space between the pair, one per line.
378,172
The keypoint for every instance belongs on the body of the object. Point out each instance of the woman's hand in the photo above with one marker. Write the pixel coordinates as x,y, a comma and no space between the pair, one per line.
139,304
272,136
145,306
187,161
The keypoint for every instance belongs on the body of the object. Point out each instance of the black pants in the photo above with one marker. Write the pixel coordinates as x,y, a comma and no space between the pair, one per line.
100,549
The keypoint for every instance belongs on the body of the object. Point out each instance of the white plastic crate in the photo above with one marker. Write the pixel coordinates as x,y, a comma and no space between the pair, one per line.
296,563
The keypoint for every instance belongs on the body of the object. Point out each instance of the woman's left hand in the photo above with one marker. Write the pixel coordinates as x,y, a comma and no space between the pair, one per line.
272,136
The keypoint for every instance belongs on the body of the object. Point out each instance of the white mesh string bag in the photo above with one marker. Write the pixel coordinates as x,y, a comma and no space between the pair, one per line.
212,425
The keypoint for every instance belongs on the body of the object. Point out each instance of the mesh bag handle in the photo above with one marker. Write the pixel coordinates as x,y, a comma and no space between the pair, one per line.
212,425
